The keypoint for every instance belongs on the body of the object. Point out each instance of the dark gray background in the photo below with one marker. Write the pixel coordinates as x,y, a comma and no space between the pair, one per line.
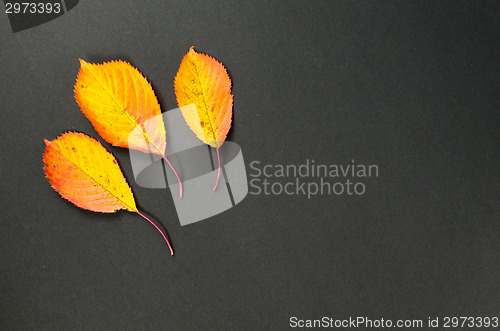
410,86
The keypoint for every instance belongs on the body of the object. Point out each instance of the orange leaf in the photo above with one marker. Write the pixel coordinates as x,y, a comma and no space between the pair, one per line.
122,107
82,171
117,99
203,81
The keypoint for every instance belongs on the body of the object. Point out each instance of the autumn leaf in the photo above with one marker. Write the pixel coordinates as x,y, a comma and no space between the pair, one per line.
83,172
122,106
203,81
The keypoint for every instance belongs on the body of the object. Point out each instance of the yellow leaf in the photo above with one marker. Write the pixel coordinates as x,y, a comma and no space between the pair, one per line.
204,81
117,99
122,107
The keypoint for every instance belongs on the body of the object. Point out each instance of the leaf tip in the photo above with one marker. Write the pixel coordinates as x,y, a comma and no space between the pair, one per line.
82,62
192,51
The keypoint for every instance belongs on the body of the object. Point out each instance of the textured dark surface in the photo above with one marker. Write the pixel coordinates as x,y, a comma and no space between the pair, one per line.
410,86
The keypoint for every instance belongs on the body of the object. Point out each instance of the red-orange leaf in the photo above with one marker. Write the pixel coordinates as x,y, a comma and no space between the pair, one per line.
85,173
82,171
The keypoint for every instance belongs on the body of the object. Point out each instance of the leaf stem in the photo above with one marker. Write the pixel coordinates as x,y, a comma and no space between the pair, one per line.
176,175
157,228
218,172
